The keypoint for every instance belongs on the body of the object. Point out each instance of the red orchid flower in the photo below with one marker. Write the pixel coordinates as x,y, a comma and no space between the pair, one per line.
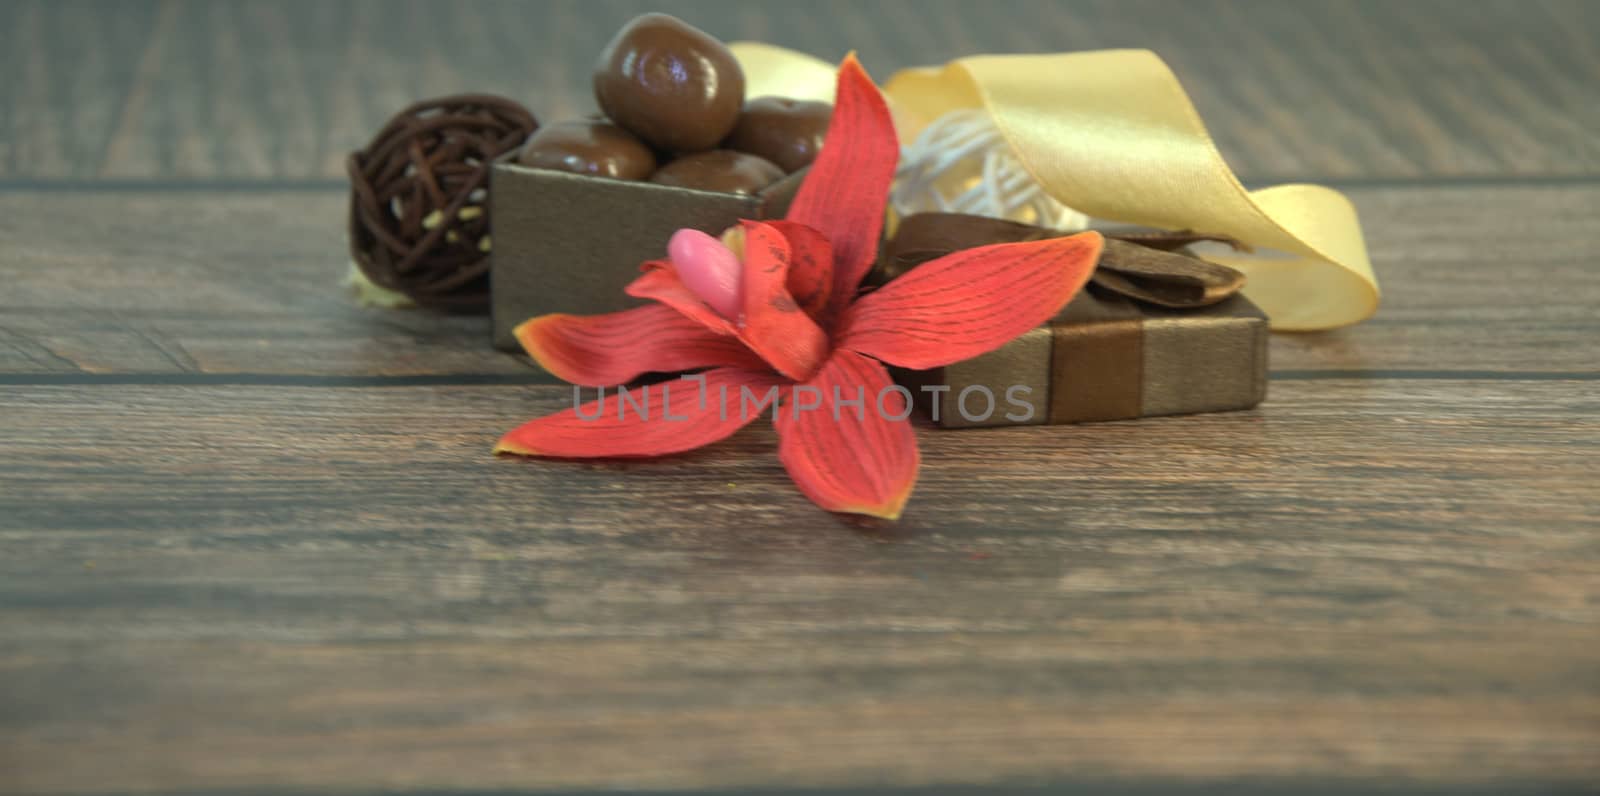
775,304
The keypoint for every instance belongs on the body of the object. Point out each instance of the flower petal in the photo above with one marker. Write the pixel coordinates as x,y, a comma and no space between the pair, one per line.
810,266
845,191
969,302
615,348
660,281
772,323
679,415
861,463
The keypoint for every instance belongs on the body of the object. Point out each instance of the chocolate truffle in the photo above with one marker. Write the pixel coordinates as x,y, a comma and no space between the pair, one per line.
596,148
669,83
720,170
786,131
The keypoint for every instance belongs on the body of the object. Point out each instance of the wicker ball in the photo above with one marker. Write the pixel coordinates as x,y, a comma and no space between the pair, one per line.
419,221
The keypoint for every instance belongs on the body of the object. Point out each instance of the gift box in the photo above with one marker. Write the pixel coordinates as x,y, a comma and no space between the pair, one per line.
1154,333
570,243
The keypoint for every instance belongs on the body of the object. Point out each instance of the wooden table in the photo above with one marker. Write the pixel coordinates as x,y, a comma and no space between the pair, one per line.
252,539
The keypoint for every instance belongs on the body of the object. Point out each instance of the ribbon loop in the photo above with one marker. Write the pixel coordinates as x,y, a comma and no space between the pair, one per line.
1111,133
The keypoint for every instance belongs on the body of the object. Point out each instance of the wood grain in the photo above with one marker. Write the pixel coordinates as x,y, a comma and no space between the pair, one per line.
1474,279
252,539
196,90
1362,581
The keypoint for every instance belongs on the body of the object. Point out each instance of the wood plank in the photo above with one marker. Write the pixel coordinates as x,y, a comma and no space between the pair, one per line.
1475,278
283,90
70,71
340,589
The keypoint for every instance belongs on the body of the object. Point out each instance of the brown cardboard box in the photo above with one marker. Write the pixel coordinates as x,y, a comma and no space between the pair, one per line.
569,243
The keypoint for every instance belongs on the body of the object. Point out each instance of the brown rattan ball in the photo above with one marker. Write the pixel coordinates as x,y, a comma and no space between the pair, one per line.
419,217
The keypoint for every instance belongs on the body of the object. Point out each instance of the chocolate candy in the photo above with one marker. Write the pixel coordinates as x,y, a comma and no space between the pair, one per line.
785,131
596,148
720,170
670,83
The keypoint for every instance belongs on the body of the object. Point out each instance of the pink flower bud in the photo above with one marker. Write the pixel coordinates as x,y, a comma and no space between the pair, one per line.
708,268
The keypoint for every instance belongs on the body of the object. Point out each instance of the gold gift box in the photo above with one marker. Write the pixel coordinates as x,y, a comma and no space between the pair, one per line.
570,243
1105,356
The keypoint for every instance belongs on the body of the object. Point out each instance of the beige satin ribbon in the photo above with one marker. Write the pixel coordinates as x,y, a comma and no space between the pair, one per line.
1112,133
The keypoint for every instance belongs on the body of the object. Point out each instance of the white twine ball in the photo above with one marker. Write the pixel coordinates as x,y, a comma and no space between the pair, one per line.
961,164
